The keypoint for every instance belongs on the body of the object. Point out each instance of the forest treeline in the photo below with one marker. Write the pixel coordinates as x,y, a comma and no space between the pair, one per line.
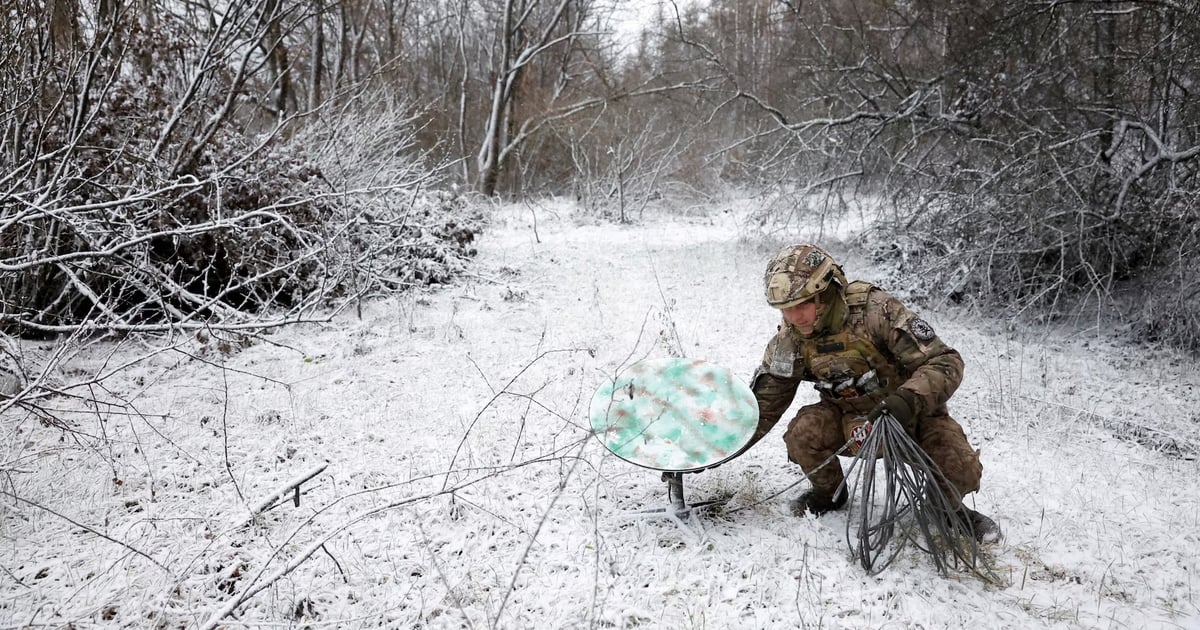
174,164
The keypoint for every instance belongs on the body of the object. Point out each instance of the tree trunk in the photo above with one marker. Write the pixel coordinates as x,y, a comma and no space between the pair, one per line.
1104,77
63,23
277,56
317,65
489,151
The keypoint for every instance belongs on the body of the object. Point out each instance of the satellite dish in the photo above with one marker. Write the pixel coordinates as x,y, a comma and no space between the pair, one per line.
676,416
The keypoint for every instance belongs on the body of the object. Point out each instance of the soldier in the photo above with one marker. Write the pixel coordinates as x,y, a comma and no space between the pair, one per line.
868,355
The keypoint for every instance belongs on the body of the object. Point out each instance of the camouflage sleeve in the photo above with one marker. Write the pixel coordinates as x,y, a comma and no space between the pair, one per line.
931,369
774,384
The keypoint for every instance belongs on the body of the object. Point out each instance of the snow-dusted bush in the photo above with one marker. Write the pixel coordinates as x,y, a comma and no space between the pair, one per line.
1168,306
150,182
137,198
1038,237
1051,182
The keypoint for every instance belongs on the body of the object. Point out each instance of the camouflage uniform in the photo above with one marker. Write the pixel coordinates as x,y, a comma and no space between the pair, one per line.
868,346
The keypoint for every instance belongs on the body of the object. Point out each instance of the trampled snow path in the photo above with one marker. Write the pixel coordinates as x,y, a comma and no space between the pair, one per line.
482,389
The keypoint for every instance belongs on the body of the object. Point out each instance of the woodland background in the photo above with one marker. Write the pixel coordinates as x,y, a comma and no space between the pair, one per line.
187,176
167,165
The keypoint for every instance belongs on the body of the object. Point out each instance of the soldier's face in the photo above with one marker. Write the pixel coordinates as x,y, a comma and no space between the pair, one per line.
802,316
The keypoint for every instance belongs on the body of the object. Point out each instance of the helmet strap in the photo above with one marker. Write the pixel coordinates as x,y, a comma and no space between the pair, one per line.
832,309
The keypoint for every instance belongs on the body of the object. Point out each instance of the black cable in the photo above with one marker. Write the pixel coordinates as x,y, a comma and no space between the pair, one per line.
911,488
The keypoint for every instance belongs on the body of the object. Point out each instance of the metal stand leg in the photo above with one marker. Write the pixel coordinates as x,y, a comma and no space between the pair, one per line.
679,510
675,493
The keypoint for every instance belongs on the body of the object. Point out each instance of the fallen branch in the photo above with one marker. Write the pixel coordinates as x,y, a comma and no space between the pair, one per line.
292,486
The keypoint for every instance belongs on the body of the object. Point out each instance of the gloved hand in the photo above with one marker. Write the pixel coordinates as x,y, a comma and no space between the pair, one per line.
901,405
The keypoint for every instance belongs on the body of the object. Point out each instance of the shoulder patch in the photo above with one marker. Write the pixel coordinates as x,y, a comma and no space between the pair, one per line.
920,329
781,356
783,361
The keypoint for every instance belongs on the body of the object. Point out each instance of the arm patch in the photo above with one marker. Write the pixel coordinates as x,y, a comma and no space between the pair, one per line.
783,362
780,359
920,329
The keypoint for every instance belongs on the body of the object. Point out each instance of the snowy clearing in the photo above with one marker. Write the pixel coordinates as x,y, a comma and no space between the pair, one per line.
455,483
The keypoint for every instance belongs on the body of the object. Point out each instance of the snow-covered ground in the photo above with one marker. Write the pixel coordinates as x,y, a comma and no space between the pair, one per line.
455,483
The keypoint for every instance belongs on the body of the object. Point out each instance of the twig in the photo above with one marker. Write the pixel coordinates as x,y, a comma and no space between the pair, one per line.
337,564
512,584
87,528
225,434
493,399
258,583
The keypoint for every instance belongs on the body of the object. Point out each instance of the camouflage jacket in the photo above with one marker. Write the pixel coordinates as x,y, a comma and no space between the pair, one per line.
875,348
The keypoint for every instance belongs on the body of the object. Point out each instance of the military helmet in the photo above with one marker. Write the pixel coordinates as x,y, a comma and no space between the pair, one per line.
798,273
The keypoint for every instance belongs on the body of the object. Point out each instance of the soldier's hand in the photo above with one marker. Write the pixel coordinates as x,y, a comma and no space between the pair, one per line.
901,405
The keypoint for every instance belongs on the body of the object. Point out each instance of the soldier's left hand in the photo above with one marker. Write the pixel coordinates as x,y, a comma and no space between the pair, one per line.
901,405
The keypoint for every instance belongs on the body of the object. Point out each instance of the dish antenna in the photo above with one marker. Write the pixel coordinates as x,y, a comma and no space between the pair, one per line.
676,416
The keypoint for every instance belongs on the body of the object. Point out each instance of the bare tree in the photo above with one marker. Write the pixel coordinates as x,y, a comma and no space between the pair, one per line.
528,30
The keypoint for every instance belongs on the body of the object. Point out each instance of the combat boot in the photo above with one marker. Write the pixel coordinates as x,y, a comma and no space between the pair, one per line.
817,503
984,528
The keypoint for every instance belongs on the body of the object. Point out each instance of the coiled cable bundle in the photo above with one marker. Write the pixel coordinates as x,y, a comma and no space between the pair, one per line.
906,482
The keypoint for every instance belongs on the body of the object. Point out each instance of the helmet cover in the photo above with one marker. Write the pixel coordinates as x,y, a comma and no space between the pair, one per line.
799,273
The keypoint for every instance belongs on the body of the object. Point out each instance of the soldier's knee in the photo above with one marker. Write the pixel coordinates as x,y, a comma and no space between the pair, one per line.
973,473
805,432
794,433
799,445
960,466
944,441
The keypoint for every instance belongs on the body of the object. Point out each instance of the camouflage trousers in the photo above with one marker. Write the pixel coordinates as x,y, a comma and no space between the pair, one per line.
817,432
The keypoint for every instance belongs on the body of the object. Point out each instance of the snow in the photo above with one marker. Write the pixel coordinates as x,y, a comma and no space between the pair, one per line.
462,487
